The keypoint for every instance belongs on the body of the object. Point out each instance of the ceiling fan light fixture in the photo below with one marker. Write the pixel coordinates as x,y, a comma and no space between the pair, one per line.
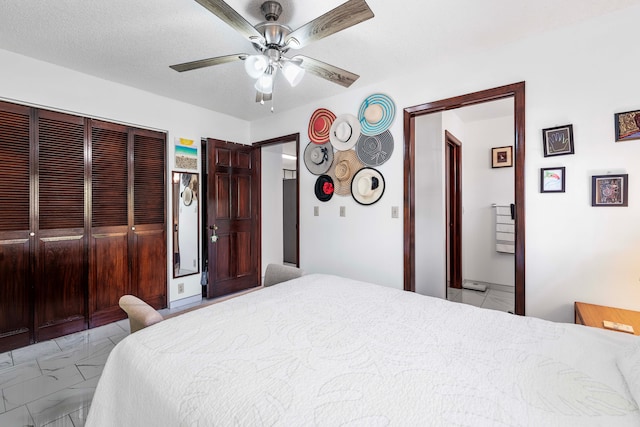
293,73
256,65
264,83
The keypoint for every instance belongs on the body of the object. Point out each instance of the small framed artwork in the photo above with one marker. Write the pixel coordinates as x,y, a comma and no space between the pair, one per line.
558,141
552,180
609,190
502,157
627,125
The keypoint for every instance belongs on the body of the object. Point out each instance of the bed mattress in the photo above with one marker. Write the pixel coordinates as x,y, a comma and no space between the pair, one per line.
325,350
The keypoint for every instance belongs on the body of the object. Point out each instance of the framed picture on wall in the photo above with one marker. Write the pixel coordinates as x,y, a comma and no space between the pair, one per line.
627,125
186,154
558,140
552,180
610,190
502,157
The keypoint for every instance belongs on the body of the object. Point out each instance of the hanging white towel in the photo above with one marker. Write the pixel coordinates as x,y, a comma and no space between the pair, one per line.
505,230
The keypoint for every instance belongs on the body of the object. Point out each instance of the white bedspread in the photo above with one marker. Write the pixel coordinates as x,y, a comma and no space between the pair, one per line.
323,350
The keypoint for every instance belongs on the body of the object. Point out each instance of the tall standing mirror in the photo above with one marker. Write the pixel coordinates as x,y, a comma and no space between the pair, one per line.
186,195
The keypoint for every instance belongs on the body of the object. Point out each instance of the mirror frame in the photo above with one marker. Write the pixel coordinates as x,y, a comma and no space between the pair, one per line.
176,200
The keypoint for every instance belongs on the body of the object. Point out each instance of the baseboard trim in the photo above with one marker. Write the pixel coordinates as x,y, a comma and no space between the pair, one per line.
194,299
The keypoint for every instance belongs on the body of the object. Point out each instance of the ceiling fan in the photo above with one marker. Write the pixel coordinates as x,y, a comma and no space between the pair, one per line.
273,39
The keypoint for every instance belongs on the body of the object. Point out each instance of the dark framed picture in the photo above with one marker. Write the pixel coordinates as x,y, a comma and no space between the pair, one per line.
627,125
558,141
552,180
609,190
502,157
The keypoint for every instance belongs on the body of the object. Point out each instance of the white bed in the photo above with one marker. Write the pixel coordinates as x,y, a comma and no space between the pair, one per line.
324,350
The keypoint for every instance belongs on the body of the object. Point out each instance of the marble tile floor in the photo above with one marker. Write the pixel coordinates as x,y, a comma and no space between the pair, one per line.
51,383
494,299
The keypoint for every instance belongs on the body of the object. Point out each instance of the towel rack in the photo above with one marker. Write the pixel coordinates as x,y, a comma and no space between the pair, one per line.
511,206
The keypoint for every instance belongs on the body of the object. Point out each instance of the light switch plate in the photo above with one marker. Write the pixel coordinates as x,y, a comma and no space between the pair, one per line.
394,212
343,211
316,211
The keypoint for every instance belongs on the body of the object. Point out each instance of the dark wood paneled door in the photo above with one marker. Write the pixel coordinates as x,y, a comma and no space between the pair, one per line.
233,214
16,323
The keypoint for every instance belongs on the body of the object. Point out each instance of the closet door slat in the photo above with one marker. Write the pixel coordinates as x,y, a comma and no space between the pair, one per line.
14,171
61,172
109,177
149,187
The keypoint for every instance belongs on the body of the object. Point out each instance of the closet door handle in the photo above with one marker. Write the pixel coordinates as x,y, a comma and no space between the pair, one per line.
133,228
32,234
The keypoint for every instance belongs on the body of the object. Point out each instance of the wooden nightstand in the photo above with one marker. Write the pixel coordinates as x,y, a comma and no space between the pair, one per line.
594,315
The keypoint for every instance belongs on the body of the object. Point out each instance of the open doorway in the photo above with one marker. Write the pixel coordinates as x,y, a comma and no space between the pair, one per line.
479,192
280,206
433,193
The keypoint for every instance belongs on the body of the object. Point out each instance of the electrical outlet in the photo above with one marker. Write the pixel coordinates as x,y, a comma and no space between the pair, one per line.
316,211
394,212
343,211
181,288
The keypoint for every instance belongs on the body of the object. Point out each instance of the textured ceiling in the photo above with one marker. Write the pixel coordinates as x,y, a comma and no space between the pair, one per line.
133,42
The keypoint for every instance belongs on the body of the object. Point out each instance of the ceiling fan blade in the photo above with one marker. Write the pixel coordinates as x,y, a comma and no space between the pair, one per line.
194,65
326,71
232,18
344,16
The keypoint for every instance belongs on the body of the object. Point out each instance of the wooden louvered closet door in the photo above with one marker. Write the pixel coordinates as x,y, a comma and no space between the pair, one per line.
149,265
60,262
109,242
128,243
82,222
15,212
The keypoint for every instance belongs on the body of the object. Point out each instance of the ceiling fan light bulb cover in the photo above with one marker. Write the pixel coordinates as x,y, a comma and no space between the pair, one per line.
292,73
264,83
255,65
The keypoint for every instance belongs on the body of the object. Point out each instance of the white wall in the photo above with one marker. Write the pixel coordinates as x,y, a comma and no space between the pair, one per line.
581,74
482,186
430,214
272,242
28,81
365,244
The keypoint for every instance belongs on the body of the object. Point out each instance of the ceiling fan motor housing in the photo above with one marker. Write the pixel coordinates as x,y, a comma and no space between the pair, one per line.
274,36
271,10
